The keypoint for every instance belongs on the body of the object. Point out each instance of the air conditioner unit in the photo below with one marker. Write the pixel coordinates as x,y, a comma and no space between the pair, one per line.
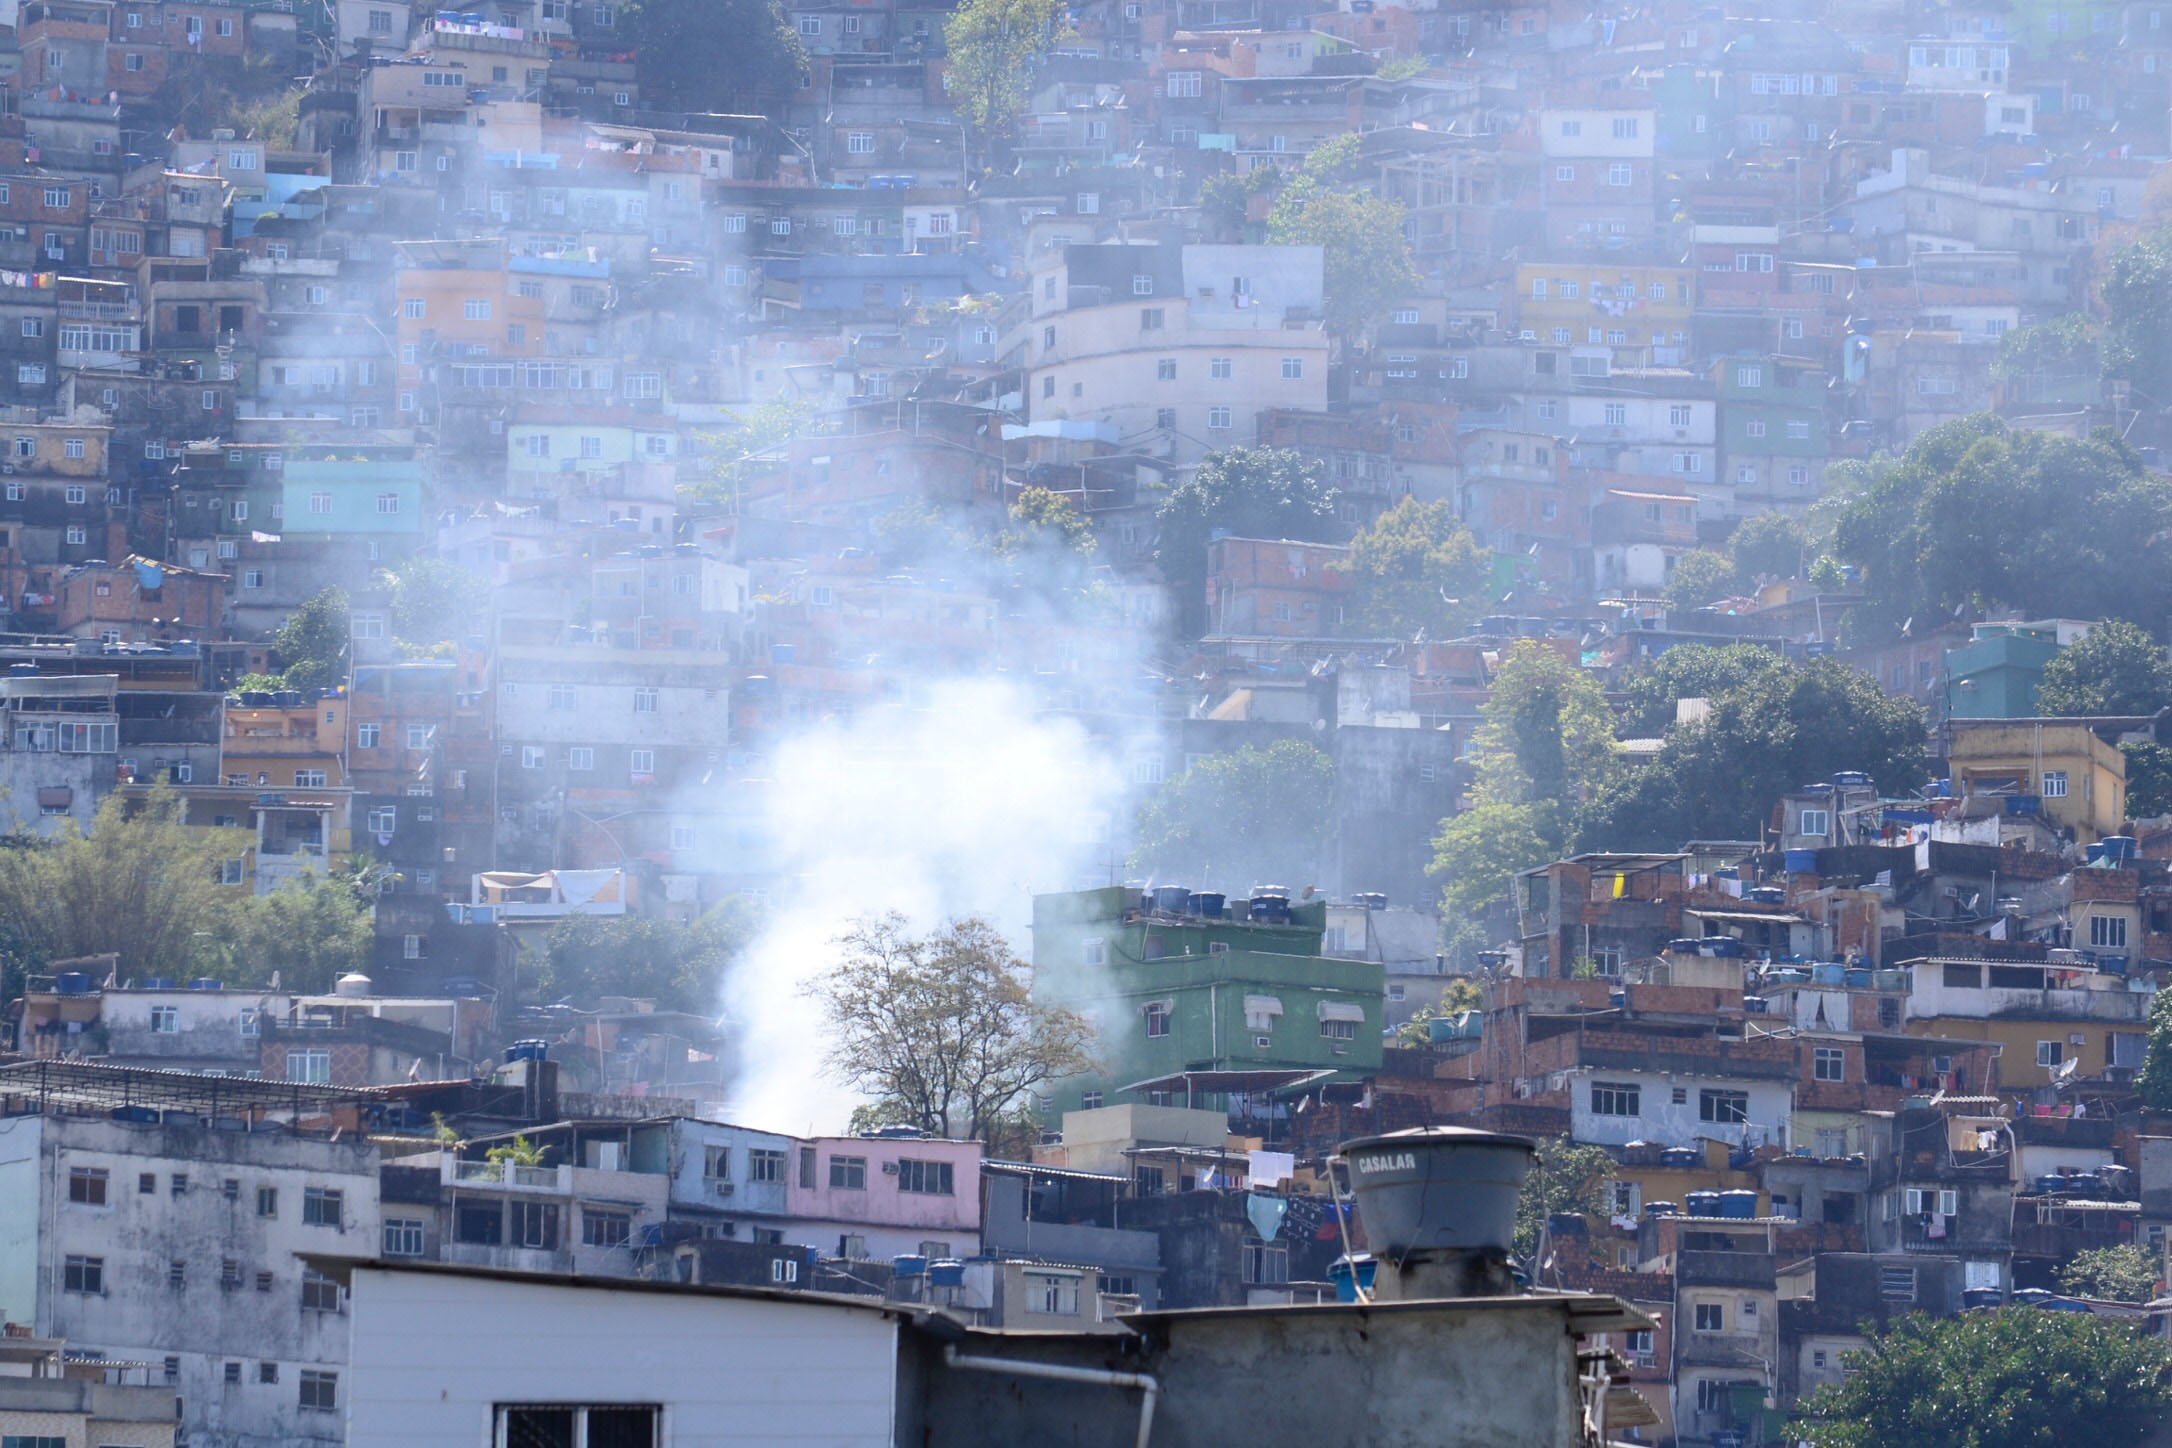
1263,1042
2077,1039
889,1168
725,1189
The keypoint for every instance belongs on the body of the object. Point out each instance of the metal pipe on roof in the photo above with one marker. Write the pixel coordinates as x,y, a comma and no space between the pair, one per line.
1148,1385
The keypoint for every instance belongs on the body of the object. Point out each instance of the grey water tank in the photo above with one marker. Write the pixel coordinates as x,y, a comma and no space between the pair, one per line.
1438,1205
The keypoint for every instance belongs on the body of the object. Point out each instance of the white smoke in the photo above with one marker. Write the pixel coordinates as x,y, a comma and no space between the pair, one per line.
968,802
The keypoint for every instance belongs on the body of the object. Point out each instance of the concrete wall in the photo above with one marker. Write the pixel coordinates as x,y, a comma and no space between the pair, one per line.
1661,1118
432,1354
139,1235
1494,1372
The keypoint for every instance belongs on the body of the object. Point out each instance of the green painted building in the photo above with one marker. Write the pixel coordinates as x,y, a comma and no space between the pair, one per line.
1996,674
354,491
1174,990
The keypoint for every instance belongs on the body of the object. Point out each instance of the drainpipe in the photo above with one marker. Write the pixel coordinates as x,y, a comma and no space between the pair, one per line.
1148,1385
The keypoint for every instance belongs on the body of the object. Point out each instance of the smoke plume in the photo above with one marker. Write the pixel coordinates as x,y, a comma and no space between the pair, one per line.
967,802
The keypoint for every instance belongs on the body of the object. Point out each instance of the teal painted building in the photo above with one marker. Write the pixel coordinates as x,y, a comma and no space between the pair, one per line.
1695,114
353,492
1178,991
1996,674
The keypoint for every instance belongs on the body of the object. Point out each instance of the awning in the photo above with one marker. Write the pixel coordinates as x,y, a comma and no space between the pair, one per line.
1341,1011
1253,1005
52,796
1162,1005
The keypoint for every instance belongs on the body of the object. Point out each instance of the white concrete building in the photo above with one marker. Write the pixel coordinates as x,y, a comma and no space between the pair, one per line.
173,1240
1609,1107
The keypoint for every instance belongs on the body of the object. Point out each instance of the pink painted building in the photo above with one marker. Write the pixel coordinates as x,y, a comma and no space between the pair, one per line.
880,1196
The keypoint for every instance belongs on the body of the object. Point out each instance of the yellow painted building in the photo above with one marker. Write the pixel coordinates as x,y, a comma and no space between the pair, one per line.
1642,313
2079,780
291,746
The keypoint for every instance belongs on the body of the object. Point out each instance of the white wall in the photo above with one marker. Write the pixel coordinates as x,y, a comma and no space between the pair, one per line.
1660,1119
432,1352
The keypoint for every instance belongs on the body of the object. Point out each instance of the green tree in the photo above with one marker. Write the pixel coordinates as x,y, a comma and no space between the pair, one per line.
139,883
1689,671
994,50
726,56
1248,492
1246,817
1044,520
2137,294
1365,256
748,446
1479,851
941,1029
2018,1377
2153,1083
1717,776
435,599
2063,346
2149,779
680,967
2117,668
1547,736
1460,994
1975,517
1417,568
1700,577
312,643
1565,1177
1768,545
2125,1273
312,930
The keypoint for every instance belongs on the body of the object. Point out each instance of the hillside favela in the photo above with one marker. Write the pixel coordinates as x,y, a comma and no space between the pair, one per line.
1096,723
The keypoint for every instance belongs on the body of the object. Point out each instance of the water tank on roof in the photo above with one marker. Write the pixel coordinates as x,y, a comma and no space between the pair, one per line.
1208,904
205,982
946,1273
1702,1204
72,982
1741,1205
1372,900
22,671
158,982
909,1265
1173,899
353,983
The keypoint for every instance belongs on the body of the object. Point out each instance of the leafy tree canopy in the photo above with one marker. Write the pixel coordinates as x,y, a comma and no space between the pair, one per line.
1700,577
1565,1177
1689,671
712,55
941,1029
2137,294
1548,736
2018,1377
1975,517
2117,668
1768,545
2063,345
2125,1273
435,600
1773,731
1248,492
312,643
1478,852
2154,1081
1417,568
680,967
994,48
1365,254
1247,817
2149,780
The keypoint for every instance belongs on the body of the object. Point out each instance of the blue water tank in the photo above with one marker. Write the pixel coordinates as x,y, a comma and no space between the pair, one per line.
72,982
205,982
1858,977
909,1264
1828,973
1208,904
158,982
530,1050
2118,848
1740,1205
946,1273
1352,1275
1702,1204
1662,1209
1802,862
